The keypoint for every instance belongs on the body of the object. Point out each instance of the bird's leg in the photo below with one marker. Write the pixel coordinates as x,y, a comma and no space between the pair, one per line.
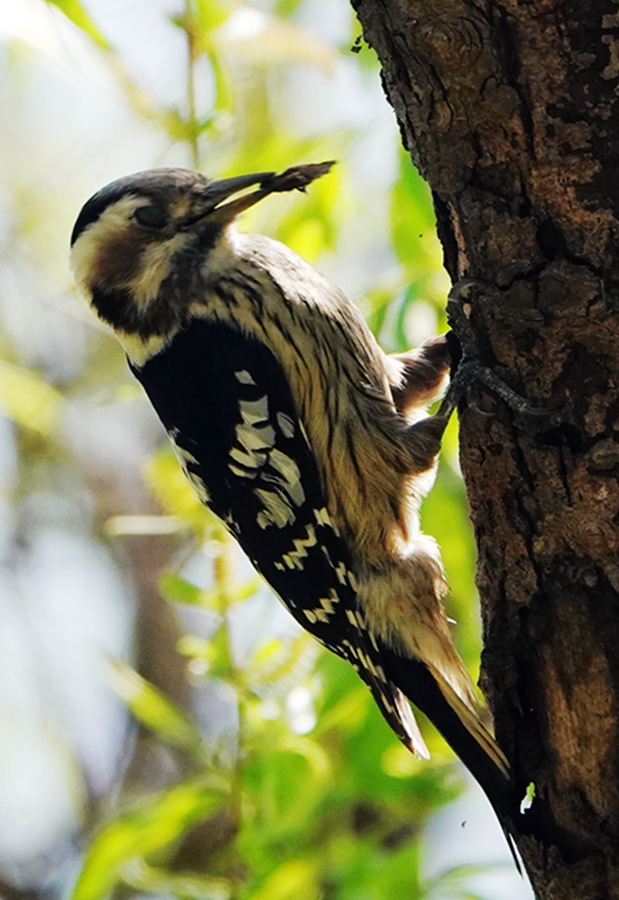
470,369
426,435
422,375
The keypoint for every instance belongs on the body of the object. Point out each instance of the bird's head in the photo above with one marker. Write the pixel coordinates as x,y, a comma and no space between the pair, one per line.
140,243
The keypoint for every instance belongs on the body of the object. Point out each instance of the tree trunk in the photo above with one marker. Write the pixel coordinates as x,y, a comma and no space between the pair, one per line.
510,111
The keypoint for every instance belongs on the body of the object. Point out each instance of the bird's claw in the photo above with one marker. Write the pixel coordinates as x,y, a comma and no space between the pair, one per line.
471,370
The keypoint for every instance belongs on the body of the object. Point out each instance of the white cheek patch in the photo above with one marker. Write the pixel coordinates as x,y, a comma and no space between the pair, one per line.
155,266
155,260
85,253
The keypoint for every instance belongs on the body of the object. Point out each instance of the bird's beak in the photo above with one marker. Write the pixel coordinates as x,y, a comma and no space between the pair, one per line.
221,188
218,190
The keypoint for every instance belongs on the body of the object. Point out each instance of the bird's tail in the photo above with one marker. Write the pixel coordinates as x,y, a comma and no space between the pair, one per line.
483,758
460,725
470,718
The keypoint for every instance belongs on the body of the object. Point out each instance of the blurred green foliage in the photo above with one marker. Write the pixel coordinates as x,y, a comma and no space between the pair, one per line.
305,794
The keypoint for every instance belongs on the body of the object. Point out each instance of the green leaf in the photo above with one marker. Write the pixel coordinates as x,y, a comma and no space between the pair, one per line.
174,587
214,653
154,710
412,215
295,879
274,660
210,14
156,825
286,8
75,12
218,654
287,781
28,400
187,887
414,238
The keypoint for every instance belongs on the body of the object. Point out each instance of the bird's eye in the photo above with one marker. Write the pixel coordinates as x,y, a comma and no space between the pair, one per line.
151,216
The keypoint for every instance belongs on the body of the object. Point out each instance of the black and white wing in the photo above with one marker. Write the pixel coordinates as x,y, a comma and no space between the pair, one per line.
224,399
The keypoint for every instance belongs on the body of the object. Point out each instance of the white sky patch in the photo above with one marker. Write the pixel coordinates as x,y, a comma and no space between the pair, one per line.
300,710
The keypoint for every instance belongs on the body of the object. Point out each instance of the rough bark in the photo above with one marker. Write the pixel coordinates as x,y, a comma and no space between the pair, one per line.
510,111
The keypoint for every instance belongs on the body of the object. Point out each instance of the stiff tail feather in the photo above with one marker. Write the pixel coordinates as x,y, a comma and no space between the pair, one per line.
463,730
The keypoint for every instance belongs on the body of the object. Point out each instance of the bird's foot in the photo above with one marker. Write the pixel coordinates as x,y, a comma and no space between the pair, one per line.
470,369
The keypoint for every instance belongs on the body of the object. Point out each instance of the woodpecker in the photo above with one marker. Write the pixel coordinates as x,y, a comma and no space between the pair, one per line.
310,443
